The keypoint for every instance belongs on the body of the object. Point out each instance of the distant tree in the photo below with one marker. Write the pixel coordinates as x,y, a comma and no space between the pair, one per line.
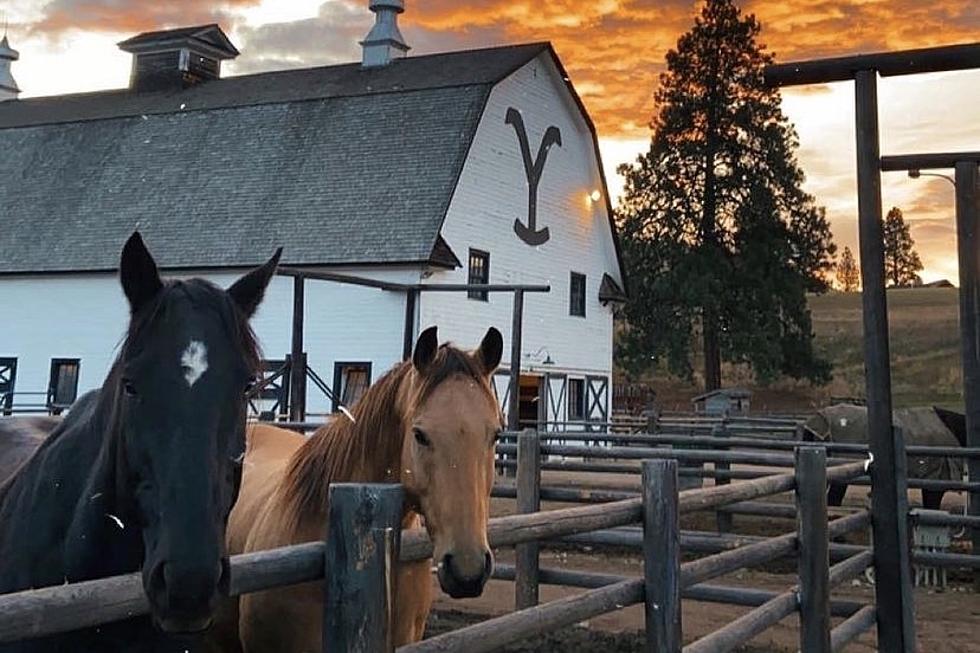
848,273
718,236
901,260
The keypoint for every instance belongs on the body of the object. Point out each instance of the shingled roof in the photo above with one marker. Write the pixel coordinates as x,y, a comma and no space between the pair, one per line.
338,164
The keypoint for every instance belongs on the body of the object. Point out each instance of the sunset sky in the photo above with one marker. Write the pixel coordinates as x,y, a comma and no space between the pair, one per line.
613,49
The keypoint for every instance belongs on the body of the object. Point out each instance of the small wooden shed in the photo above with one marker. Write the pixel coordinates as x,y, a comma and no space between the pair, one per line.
724,402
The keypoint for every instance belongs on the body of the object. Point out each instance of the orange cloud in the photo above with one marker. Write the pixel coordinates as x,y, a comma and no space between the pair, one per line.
133,15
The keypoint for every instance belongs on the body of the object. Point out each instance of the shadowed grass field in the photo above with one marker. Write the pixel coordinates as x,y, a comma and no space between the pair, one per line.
924,330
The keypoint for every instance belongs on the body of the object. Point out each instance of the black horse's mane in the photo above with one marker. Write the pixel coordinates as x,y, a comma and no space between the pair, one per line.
955,422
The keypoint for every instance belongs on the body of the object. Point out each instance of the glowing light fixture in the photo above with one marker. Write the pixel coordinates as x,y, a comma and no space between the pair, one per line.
595,195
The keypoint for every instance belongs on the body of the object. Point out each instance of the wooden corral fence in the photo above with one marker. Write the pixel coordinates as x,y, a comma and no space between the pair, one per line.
358,583
367,541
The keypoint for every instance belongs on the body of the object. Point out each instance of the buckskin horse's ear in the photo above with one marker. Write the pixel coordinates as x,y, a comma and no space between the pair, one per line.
138,273
490,351
425,348
250,289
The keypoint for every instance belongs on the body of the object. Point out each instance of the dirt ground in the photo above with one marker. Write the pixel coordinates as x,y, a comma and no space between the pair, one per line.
947,621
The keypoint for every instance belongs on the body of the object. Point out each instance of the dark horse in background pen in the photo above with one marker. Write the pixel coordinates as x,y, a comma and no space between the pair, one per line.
925,426
142,474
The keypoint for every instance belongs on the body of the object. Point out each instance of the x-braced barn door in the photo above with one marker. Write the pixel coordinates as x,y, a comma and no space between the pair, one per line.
556,389
597,398
501,389
8,376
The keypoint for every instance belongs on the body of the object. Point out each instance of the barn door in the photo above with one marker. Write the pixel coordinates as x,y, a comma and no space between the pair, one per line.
272,397
8,376
555,391
501,389
597,399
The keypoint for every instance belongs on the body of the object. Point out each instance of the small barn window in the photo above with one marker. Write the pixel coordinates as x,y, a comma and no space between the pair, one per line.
576,298
576,400
479,273
63,386
8,377
350,382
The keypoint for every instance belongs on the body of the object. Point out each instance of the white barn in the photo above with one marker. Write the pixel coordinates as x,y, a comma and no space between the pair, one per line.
478,167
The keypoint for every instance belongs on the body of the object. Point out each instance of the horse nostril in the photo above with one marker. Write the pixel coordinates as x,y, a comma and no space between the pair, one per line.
487,564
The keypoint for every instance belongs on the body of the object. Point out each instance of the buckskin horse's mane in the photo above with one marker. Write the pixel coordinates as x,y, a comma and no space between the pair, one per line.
101,414
363,448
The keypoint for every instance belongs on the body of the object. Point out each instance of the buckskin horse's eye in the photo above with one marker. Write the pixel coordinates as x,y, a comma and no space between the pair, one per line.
421,437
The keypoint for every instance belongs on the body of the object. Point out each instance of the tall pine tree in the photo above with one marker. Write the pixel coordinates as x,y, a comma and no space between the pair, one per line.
718,235
902,262
848,273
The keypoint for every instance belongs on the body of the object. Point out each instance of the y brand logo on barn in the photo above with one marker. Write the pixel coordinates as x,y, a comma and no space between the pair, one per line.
529,232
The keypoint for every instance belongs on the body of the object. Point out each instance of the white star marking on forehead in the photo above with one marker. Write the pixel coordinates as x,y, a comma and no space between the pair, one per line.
194,362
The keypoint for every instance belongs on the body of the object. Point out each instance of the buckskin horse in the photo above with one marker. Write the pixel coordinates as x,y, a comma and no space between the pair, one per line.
429,424
141,475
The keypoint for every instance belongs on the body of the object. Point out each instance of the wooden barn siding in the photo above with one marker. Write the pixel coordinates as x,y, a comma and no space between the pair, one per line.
492,192
84,316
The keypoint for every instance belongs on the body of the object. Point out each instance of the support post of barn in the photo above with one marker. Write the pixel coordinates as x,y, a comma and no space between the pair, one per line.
814,549
362,542
661,557
896,629
968,239
408,339
297,358
724,520
514,393
528,501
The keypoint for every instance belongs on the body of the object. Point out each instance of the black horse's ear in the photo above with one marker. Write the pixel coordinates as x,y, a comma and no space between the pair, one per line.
250,289
491,350
138,273
425,348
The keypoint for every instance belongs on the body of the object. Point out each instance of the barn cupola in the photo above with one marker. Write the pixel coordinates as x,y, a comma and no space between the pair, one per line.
384,42
8,87
177,58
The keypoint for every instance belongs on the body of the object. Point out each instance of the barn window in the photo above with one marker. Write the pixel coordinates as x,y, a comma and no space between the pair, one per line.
479,273
576,400
63,384
576,295
350,381
8,377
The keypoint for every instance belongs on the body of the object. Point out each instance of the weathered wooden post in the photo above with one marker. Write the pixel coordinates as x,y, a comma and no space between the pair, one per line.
661,557
528,500
968,239
896,630
814,549
514,391
297,358
724,520
363,536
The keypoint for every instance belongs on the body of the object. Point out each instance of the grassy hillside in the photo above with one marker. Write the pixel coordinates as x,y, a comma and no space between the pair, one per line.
923,324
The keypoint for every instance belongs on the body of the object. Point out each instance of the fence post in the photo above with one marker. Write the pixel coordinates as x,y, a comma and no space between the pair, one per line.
363,536
724,520
902,624
661,557
528,500
814,549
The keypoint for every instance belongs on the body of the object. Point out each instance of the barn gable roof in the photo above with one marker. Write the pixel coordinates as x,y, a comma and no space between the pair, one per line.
338,164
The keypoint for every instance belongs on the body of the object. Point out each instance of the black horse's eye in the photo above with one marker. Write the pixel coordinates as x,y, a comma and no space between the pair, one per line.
129,388
250,385
421,437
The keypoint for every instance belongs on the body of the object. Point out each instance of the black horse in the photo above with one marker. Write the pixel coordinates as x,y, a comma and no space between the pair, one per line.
141,474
